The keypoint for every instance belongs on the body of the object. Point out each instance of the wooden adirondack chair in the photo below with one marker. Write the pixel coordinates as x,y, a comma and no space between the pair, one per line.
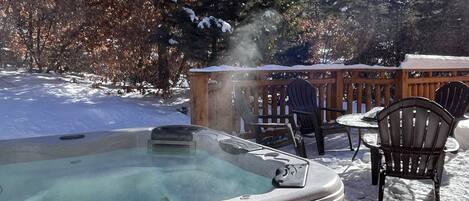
273,134
302,98
413,133
454,97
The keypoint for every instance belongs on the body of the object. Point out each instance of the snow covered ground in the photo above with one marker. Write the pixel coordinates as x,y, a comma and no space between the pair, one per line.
40,104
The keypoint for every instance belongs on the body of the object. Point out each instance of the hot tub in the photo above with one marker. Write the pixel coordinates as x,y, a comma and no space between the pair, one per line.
161,164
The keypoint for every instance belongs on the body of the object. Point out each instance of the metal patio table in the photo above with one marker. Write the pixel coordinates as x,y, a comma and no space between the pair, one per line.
357,121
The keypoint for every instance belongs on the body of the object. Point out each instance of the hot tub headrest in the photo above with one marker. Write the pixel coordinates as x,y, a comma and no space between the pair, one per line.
175,133
235,146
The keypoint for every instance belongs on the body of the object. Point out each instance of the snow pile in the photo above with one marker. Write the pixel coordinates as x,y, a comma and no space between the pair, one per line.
191,14
413,61
225,26
173,42
461,134
206,22
43,104
269,14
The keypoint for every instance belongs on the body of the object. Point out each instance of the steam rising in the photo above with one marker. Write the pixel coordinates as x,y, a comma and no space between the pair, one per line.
250,41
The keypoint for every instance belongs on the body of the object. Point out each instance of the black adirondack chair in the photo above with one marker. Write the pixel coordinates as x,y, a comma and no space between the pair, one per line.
302,98
273,134
413,133
454,97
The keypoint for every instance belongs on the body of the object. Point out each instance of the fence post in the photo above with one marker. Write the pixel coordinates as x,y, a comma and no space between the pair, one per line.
199,98
221,103
402,87
338,89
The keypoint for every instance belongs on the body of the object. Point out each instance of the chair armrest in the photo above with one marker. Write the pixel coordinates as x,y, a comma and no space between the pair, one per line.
374,146
370,143
451,146
342,111
276,116
316,123
273,125
461,118
301,112
247,135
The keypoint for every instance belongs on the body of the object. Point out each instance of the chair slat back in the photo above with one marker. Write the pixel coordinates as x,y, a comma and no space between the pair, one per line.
413,133
454,97
302,96
245,110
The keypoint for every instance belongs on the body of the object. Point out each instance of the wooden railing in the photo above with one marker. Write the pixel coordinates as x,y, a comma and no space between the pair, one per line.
424,83
356,89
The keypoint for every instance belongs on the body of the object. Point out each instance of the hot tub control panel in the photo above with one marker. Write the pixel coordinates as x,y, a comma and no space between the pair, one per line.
290,176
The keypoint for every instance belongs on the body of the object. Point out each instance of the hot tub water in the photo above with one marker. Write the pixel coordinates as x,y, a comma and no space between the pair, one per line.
129,175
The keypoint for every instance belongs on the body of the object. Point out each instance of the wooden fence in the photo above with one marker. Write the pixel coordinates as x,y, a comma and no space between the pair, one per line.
351,88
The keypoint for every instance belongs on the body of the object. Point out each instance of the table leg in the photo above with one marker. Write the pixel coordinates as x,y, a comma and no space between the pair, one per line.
374,165
359,143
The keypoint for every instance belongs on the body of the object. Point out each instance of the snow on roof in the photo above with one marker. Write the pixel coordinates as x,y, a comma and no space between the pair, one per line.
225,68
413,61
